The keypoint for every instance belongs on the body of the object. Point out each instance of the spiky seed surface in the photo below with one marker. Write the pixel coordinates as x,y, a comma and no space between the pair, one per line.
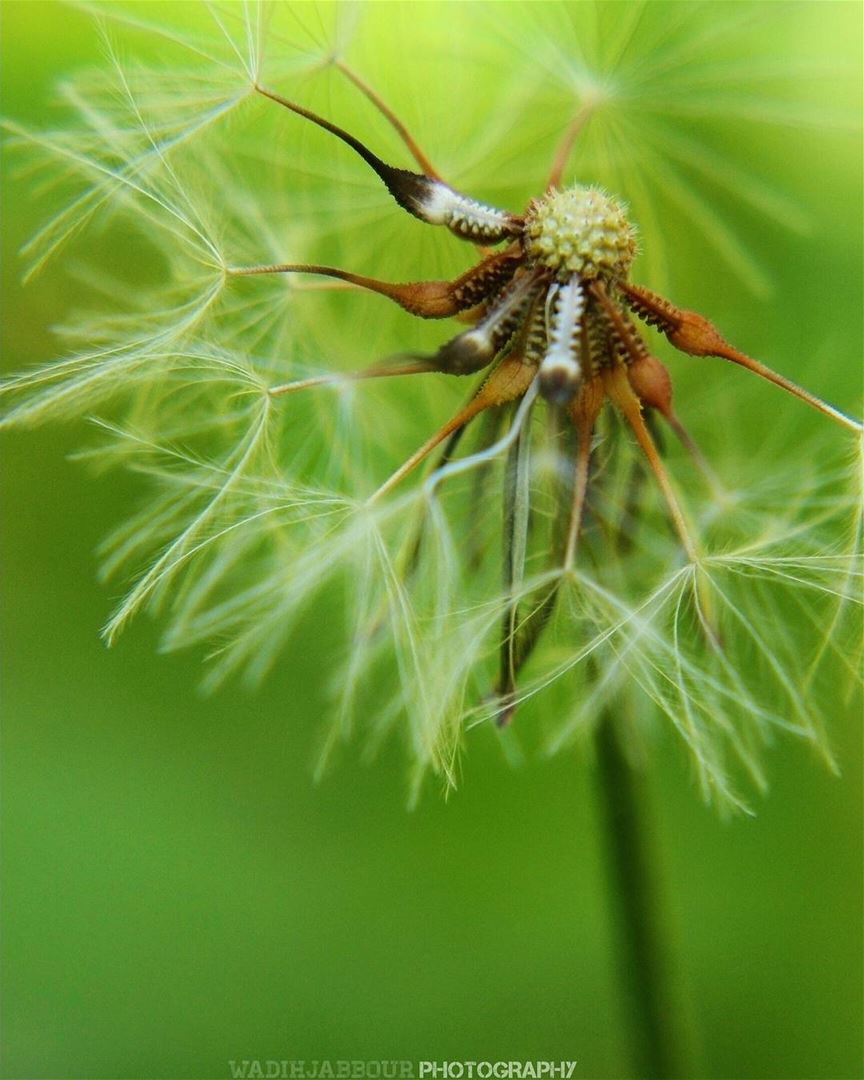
580,231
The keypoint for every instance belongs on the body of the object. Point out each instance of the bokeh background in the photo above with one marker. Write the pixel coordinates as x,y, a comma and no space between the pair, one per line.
177,890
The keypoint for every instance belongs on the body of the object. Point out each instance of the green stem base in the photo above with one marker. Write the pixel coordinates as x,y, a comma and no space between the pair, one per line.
656,1022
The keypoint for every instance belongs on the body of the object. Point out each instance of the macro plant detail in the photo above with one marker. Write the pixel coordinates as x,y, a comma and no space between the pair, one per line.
366,319
550,315
263,497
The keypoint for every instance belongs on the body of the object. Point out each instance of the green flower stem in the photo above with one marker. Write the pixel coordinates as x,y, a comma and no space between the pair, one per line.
657,1023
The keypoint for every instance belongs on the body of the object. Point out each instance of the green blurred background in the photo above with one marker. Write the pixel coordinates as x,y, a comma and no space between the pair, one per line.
178,892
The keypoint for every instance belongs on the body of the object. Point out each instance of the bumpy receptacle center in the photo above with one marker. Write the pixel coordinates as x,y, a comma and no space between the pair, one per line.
580,231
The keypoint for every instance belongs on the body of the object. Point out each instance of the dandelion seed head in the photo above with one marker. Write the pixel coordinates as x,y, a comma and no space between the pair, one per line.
255,511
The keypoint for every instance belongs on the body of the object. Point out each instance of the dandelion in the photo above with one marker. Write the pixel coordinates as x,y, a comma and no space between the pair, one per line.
268,489
540,562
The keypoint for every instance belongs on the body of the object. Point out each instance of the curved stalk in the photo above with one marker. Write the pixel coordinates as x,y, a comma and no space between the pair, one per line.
657,1021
